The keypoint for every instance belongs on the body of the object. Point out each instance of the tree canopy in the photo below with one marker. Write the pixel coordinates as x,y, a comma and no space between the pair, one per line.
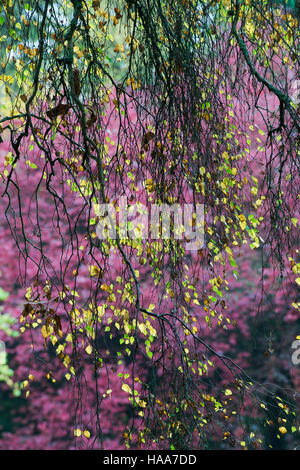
190,102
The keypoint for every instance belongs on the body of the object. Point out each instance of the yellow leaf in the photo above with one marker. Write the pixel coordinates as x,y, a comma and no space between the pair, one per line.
46,331
142,328
28,293
242,221
119,48
228,250
283,430
126,388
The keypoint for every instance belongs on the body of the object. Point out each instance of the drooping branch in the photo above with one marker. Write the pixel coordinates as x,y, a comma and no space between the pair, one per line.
283,98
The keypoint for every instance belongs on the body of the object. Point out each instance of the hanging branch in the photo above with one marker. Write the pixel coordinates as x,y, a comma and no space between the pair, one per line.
284,100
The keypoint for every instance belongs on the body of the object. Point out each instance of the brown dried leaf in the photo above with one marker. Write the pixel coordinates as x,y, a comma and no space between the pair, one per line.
59,110
146,138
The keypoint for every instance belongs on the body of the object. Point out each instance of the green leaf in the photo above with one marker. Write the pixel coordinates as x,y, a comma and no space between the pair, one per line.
3,294
232,262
